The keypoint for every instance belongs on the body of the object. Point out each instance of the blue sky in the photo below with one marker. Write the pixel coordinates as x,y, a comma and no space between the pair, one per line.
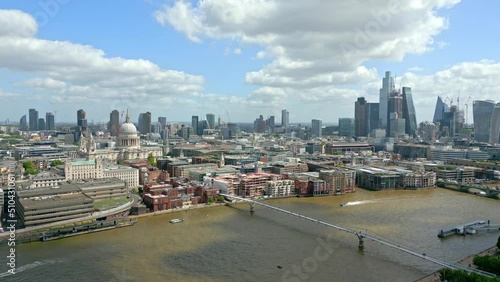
243,57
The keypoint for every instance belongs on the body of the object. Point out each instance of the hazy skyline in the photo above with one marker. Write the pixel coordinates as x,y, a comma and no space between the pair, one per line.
239,59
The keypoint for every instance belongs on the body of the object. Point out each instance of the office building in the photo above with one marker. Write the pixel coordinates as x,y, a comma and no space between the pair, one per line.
114,122
270,124
194,124
81,118
441,108
495,125
387,87
395,120
50,121
211,121
316,128
23,124
346,127
259,125
33,119
409,113
360,117
41,124
482,112
162,121
285,118
145,123
372,116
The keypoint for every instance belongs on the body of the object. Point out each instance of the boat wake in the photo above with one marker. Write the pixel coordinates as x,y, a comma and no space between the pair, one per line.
29,266
355,203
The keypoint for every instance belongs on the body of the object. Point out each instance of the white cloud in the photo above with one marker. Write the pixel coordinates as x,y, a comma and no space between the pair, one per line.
314,43
72,72
237,51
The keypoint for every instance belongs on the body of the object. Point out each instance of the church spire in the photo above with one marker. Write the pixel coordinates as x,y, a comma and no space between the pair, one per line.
127,118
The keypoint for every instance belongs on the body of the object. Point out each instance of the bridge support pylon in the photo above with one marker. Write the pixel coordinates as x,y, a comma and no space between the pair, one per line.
361,245
252,207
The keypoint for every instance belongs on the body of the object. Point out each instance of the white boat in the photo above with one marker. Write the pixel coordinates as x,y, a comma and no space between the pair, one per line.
176,220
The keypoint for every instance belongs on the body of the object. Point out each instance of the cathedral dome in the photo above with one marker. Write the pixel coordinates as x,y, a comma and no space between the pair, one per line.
128,127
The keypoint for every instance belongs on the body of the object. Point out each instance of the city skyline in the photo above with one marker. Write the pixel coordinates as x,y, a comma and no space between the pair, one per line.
178,67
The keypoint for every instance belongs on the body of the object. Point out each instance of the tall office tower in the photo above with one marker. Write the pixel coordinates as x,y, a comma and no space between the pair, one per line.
202,125
441,108
316,128
163,122
346,127
372,117
285,118
360,117
80,116
395,121
23,124
387,86
146,123
33,119
211,121
409,113
139,122
259,125
49,121
114,123
482,112
41,124
194,124
495,125
270,123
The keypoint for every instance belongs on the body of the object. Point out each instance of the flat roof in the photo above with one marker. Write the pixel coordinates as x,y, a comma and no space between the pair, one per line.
64,188
55,202
76,163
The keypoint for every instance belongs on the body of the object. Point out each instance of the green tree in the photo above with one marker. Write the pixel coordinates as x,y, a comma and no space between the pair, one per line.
210,199
488,263
29,168
151,160
221,199
56,163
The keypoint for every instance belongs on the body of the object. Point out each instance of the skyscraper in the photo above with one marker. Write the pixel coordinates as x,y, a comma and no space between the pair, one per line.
49,121
211,121
285,118
316,128
194,124
441,108
23,123
360,117
114,123
259,125
387,86
409,113
33,119
41,124
270,123
395,120
372,117
495,125
80,117
145,123
482,112
346,127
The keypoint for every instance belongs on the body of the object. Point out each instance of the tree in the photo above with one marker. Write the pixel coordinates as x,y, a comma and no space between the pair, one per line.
210,199
498,242
29,168
56,163
221,199
151,160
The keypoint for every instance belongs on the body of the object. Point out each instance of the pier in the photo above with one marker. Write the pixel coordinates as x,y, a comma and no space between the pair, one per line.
469,228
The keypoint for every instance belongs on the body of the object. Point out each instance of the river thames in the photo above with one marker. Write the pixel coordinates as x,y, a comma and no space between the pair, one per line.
227,243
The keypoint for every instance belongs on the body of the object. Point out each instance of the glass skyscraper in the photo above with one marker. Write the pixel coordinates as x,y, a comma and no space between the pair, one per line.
387,85
482,112
441,108
495,125
409,113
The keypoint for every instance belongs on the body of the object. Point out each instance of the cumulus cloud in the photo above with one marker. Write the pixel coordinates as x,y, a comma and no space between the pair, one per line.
314,43
73,72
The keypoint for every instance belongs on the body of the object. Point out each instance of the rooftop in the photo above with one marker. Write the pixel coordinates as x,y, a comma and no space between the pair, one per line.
55,201
90,162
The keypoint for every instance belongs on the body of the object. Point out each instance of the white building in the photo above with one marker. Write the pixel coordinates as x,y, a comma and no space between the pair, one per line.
280,188
96,169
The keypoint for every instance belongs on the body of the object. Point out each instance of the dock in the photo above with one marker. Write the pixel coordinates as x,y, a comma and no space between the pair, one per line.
469,228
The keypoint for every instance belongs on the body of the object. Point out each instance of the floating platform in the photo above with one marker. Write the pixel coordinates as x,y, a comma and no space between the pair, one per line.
469,228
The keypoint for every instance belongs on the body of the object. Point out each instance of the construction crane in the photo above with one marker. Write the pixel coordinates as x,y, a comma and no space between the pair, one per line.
467,110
